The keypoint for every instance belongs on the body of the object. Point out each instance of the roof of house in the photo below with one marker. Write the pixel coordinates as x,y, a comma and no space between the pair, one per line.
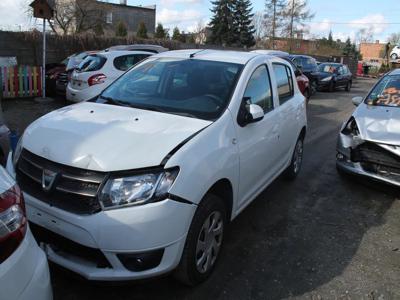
150,7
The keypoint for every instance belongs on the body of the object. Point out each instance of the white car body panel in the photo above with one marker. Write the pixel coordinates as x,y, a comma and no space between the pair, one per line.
25,274
81,136
78,89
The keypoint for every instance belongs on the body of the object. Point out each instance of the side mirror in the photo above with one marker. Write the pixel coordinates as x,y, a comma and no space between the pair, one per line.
256,113
249,113
357,100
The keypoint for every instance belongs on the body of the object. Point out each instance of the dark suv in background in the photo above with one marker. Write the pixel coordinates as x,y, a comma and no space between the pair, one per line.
309,67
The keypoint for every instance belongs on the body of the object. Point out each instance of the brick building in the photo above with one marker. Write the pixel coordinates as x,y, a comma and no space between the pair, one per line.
373,53
90,15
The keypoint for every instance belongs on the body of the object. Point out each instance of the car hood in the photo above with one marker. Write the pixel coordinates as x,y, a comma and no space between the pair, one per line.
322,75
379,124
103,137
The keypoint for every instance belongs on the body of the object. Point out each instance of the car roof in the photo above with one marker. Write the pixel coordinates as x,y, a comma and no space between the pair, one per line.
271,52
117,53
237,57
138,47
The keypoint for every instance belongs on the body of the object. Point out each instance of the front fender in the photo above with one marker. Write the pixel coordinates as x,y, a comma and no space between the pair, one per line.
210,156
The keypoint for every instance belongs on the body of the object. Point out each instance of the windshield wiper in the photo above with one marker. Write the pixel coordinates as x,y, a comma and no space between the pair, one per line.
114,101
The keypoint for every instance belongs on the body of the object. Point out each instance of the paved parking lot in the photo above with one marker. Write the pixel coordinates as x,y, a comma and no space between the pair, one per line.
322,236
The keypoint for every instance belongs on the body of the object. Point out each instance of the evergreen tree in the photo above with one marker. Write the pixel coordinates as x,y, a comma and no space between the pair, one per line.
330,38
176,34
244,28
273,18
160,32
182,37
348,48
222,23
121,29
142,31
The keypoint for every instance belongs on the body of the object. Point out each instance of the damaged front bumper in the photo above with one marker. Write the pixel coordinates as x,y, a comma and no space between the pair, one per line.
368,159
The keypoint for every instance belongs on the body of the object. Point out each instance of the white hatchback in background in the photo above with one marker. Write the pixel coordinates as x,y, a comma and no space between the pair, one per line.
143,180
98,71
24,272
395,53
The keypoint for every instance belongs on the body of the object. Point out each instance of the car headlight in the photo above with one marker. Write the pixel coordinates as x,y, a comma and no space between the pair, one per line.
351,128
17,152
329,78
137,189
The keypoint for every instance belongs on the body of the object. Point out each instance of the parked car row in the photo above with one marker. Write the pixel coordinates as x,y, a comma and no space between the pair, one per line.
110,186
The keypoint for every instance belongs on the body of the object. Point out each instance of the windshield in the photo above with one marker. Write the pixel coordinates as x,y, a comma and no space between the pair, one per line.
328,68
386,92
92,63
189,87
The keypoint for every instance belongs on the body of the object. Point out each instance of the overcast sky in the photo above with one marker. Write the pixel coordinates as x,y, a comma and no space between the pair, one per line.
343,17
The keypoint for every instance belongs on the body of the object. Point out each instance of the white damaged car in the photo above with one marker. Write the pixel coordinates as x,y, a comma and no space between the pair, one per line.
369,142
144,179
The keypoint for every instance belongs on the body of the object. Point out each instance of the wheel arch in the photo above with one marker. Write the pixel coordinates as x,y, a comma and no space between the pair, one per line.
224,190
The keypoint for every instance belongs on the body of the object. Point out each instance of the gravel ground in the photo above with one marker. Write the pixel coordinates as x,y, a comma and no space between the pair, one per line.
323,236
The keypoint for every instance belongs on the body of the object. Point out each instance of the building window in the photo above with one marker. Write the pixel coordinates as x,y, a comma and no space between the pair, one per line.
109,18
298,45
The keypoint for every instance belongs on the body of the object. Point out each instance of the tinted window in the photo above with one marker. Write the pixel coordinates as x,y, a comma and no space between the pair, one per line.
328,68
386,92
258,89
92,63
284,80
190,87
123,63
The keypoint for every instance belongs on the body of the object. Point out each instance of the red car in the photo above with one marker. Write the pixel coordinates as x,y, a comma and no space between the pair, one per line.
302,80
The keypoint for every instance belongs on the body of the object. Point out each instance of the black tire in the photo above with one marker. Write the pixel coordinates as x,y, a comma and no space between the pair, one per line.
348,86
295,165
187,271
331,86
307,95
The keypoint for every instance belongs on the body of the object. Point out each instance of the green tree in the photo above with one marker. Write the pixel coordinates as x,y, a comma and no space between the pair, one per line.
244,29
296,14
330,38
142,31
348,48
160,32
222,23
182,37
273,18
121,29
176,34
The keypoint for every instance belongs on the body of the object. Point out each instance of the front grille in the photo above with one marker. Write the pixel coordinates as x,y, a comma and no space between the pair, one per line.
74,190
61,245
376,159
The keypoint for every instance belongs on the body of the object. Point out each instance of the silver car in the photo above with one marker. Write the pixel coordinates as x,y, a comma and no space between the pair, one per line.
369,142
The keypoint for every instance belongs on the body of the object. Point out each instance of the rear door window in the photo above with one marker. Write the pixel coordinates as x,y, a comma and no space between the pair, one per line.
284,79
92,63
124,63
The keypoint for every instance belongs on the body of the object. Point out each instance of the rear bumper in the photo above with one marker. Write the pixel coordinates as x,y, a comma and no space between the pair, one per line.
25,275
86,94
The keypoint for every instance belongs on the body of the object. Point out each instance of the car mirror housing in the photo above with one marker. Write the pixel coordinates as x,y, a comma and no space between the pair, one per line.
249,113
357,100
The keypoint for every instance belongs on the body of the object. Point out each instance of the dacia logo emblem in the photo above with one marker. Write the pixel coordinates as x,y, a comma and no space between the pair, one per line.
48,179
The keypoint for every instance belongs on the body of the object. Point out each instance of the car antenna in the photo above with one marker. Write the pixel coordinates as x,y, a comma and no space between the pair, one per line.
194,53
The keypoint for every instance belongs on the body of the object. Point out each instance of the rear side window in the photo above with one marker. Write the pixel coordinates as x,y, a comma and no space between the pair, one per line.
92,63
258,90
124,63
284,80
